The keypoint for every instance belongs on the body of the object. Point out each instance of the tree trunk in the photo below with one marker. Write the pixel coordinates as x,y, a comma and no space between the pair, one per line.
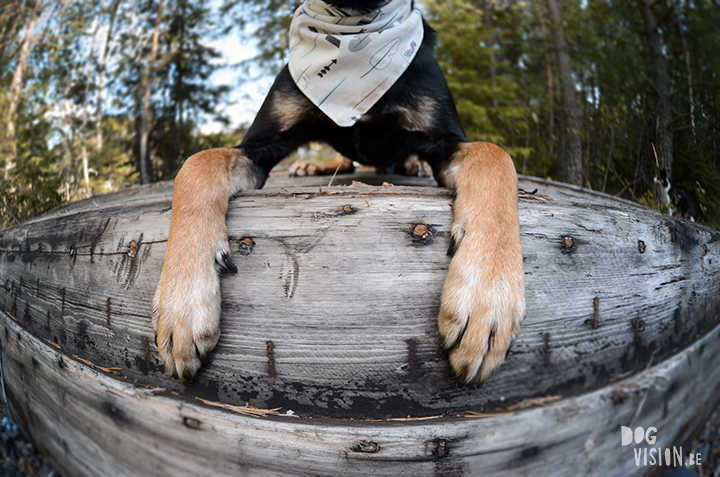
16,86
101,80
550,87
688,67
144,172
661,83
491,46
83,135
570,157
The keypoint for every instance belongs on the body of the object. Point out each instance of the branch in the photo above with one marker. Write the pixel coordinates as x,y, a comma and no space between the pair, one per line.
706,126
696,83
626,185
7,211
677,118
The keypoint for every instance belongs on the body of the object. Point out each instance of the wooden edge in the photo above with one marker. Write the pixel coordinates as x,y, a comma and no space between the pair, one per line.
147,192
162,192
582,191
89,423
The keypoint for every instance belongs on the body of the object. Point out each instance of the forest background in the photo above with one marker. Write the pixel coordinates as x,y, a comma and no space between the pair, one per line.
100,95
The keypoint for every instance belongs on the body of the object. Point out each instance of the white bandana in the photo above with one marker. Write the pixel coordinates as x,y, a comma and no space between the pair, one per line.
345,61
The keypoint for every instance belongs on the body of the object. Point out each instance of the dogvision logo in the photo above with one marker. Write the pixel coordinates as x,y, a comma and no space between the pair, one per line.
668,457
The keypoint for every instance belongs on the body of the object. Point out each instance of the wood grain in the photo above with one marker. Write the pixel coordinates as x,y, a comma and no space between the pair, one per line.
333,311
91,423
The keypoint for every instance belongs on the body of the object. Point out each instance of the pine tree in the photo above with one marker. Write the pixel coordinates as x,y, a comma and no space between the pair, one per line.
478,76
570,159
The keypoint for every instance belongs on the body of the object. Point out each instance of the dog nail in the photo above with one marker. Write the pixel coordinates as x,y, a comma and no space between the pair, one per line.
454,244
226,265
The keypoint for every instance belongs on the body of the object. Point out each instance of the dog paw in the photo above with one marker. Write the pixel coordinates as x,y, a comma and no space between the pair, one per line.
305,168
186,306
339,164
414,167
482,307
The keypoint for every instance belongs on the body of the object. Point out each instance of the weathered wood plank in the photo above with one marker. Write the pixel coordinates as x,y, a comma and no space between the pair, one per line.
90,423
333,311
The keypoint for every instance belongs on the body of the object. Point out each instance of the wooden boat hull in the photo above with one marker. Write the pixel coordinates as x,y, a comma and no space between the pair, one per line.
90,423
332,316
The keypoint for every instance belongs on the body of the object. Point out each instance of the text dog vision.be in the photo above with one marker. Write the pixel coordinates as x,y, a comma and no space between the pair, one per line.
655,455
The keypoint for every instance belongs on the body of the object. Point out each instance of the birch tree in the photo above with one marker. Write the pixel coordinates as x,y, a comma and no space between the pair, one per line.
144,166
101,79
16,88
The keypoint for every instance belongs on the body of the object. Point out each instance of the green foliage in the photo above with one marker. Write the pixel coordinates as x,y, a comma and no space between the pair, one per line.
114,166
58,119
500,67
489,107
706,193
266,23
648,200
31,175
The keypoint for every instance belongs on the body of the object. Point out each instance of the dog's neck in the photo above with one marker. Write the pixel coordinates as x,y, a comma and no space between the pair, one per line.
363,6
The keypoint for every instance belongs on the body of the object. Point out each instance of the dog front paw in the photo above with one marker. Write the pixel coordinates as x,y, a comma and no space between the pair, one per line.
483,302
186,306
481,312
415,167
305,168
340,164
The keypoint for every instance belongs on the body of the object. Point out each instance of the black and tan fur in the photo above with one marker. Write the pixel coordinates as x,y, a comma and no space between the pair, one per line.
483,301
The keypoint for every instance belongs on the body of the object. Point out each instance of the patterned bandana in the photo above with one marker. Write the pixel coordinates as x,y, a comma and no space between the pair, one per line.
345,61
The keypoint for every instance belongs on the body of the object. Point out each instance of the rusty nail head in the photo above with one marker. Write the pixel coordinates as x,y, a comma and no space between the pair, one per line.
641,246
568,245
442,449
421,231
367,447
133,249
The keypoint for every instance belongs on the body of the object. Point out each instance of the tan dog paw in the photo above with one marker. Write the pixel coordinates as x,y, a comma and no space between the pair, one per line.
304,168
339,164
415,167
480,314
186,305
483,302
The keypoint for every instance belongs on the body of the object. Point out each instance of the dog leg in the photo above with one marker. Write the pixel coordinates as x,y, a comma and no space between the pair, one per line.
340,164
186,306
483,301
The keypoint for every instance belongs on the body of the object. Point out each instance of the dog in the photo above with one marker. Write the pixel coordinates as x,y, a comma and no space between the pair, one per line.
676,200
483,300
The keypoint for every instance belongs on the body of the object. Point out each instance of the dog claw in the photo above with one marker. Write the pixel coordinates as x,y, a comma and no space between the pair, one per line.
480,315
186,309
225,264
187,303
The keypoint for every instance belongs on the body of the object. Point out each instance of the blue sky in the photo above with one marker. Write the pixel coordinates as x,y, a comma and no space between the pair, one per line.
246,91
